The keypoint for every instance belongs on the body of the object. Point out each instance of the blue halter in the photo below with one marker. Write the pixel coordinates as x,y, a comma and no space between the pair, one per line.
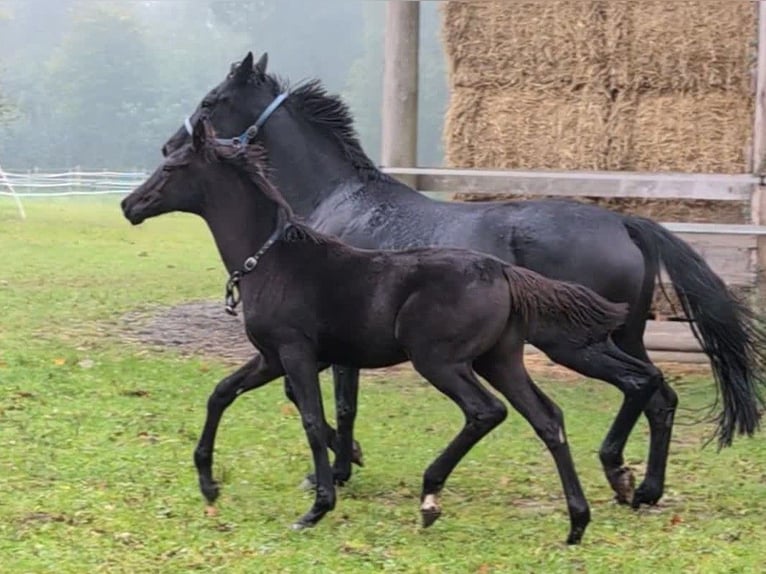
251,132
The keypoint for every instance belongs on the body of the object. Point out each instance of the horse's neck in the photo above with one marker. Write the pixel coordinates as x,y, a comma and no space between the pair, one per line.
308,165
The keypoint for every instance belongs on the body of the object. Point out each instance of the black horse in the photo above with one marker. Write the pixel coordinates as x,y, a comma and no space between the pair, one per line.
310,300
325,176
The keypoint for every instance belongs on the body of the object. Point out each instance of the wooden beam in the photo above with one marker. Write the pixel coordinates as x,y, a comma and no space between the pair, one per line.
581,183
400,86
759,123
758,201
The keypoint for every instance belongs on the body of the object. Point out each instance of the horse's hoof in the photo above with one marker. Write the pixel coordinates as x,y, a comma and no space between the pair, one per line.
646,494
430,511
298,526
310,481
624,483
575,537
356,454
210,491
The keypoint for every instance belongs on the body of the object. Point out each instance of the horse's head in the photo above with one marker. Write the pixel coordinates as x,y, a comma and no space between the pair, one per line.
233,105
178,183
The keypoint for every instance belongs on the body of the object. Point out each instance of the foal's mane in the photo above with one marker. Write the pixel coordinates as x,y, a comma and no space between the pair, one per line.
252,160
330,113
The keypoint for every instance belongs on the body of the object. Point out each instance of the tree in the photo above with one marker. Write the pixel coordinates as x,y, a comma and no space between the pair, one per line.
104,82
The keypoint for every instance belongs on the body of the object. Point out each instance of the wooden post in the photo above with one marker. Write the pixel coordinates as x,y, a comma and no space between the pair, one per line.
758,165
400,86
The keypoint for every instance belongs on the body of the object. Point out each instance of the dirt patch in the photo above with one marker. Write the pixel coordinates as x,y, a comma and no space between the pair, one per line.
197,328
203,329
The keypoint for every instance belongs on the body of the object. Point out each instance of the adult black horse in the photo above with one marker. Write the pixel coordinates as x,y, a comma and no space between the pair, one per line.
328,180
309,300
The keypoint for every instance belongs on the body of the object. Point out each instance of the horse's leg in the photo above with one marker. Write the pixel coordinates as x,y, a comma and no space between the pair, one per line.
505,371
482,410
346,382
636,379
660,413
300,365
255,373
347,450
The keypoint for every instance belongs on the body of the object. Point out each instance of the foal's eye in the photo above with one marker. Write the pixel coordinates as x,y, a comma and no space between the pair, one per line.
167,168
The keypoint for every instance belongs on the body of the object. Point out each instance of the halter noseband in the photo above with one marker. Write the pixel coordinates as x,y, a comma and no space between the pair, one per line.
252,131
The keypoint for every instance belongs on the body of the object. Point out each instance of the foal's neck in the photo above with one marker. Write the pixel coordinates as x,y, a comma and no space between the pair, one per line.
240,217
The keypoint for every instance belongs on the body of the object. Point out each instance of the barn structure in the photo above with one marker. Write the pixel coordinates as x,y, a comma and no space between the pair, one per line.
651,107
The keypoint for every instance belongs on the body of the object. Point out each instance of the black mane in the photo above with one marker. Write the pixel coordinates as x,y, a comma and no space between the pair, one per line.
331,113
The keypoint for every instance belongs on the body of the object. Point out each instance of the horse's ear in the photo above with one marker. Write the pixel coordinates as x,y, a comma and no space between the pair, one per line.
260,65
199,134
245,69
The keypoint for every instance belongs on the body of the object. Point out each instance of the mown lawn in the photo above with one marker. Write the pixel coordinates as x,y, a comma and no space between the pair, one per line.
97,435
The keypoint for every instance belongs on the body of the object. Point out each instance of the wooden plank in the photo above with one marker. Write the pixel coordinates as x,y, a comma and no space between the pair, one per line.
400,86
581,183
759,122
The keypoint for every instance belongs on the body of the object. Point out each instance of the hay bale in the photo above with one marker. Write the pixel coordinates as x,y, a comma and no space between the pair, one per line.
548,45
680,45
650,85
518,128
707,132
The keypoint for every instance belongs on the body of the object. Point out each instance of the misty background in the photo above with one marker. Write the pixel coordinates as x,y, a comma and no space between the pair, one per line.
101,84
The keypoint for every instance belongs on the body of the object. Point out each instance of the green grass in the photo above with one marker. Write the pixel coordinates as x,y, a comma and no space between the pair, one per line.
96,472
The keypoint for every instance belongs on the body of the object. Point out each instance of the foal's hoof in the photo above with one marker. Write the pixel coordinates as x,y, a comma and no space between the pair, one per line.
430,511
298,526
623,483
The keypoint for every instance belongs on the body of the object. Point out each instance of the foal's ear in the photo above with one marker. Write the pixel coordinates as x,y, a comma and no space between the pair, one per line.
260,65
199,134
245,69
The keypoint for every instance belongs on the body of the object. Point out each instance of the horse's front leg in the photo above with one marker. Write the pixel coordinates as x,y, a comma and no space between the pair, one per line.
300,366
255,373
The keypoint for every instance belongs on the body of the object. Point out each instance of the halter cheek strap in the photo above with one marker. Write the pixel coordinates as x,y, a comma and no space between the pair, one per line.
252,131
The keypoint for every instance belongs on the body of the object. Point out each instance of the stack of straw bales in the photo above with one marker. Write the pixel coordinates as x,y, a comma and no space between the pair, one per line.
649,85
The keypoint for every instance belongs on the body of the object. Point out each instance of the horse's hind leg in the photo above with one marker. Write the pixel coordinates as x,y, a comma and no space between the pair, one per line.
636,379
482,410
346,449
659,413
504,370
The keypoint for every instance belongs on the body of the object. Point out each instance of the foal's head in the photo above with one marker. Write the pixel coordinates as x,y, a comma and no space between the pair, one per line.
201,175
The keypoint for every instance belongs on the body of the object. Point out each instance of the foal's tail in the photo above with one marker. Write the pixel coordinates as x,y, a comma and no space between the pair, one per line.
732,336
579,314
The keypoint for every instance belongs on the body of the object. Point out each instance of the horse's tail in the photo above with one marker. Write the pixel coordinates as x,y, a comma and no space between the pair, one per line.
731,335
577,313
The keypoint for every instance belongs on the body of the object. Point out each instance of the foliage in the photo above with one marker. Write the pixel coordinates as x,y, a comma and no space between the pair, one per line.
104,84
98,435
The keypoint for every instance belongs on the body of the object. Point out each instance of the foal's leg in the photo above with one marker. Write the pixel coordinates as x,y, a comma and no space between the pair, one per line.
505,371
659,413
482,410
300,365
636,379
255,373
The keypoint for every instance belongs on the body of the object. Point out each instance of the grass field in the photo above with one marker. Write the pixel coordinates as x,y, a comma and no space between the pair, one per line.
96,471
